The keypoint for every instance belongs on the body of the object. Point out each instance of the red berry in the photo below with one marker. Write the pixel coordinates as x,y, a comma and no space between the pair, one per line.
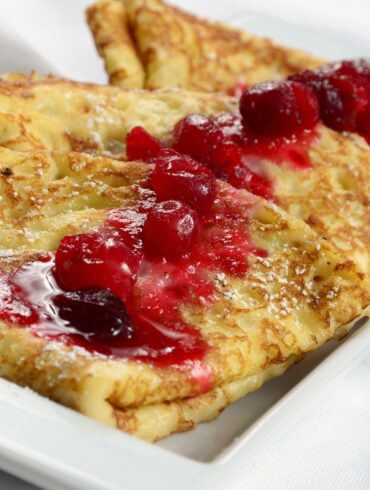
357,67
93,260
231,126
343,90
363,124
170,229
206,141
342,99
279,108
310,78
140,145
96,313
179,177
196,135
127,223
225,157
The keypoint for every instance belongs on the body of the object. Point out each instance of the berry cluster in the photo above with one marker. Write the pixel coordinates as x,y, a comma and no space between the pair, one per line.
343,92
337,93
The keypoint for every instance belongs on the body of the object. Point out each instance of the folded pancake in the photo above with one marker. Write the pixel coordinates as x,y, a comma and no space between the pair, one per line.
109,24
332,194
151,44
289,301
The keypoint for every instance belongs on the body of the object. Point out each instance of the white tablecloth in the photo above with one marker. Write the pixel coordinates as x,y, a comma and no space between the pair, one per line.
329,446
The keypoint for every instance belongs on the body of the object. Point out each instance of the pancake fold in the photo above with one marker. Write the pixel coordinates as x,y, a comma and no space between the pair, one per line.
177,49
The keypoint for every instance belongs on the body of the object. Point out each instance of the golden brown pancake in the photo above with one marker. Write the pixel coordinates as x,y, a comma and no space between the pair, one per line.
289,303
151,44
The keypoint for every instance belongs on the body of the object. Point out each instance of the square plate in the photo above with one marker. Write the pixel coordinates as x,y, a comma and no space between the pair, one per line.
36,434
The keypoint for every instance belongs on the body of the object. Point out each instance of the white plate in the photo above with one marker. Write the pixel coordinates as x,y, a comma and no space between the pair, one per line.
56,448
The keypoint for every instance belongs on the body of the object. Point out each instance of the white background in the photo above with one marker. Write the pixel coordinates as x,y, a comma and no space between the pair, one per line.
328,446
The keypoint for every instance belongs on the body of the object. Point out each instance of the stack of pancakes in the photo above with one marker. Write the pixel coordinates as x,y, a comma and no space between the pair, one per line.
63,165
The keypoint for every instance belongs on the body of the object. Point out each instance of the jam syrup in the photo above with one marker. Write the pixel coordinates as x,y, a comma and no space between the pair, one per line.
143,323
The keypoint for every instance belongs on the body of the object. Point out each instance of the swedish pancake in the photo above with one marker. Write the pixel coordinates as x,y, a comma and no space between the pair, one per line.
289,300
332,194
108,23
39,112
151,44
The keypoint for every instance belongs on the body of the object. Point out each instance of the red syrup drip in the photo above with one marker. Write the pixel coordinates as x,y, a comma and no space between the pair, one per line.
148,326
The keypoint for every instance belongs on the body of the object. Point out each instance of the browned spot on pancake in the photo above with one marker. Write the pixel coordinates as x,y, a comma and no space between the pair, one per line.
79,144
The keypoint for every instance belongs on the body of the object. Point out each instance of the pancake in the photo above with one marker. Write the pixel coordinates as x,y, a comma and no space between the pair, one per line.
289,302
50,113
108,23
151,44
38,112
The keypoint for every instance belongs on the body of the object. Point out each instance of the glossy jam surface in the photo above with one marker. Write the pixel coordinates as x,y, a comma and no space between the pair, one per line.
84,295
94,318
343,92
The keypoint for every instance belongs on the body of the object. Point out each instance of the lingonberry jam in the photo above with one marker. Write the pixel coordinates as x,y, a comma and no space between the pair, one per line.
140,145
279,108
99,259
182,178
343,91
95,318
170,229
235,152
119,292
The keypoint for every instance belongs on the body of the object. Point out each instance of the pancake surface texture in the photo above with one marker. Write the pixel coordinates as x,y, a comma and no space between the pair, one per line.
150,44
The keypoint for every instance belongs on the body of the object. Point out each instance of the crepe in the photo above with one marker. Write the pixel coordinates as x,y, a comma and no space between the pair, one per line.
289,303
57,114
150,44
